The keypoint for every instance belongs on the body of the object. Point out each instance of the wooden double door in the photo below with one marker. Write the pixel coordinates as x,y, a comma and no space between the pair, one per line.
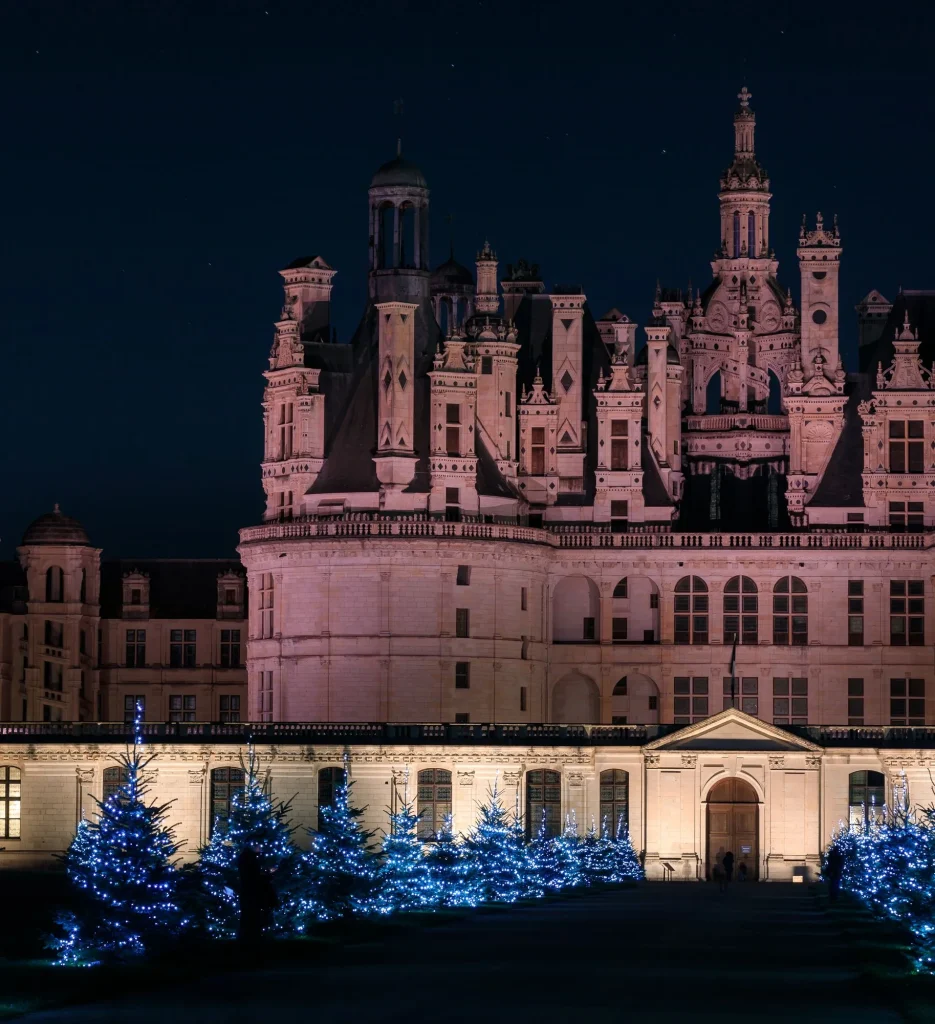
733,824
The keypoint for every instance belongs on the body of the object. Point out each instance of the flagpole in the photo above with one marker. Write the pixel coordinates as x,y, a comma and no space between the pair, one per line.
733,674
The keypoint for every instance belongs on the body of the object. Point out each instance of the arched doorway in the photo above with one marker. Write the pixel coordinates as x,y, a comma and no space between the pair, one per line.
733,824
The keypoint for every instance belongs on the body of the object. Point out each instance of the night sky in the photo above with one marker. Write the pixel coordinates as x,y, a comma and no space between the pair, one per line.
161,161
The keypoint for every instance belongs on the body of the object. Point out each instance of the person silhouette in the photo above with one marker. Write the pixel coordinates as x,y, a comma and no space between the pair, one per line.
728,868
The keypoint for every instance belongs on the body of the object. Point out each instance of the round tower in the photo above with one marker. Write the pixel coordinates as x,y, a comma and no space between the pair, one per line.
744,194
399,232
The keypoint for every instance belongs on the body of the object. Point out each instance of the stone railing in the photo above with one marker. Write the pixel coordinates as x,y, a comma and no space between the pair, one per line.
574,535
738,421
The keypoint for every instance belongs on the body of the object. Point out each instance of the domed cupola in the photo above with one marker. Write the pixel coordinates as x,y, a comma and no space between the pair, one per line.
399,232
56,528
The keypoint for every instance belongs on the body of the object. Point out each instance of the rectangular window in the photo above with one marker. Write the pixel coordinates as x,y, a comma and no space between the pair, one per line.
486,364
82,642
690,701
181,708
618,719
790,700
54,633
230,707
462,675
266,696
619,516
619,630
52,676
462,718
907,446
855,613
907,613
507,404
230,648
587,628
182,648
453,440
464,575
136,648
284,505
619,444
462,622
267,597
855,702
522,599
522,698
537,453
286,430
745,694
136,596
907,702
130,702
906,516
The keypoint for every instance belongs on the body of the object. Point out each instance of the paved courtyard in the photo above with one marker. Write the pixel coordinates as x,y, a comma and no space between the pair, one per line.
658,952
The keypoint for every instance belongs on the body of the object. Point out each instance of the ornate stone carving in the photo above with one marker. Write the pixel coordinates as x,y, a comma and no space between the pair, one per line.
813,761
689,760
652,760
466,778
85,775
777,761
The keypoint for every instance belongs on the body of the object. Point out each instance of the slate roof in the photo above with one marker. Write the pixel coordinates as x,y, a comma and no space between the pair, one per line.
842,486
179,588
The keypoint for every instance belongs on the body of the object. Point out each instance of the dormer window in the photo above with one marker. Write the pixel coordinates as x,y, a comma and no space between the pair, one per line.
230,596
135,595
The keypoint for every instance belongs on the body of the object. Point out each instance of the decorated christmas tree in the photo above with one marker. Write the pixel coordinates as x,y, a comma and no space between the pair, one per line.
122,864
544,859
496,853
595,855
257,838
626,864
405,878
568,853
453,873
340,868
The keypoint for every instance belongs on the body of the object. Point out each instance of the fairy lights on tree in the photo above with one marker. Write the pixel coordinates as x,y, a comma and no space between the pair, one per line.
405,878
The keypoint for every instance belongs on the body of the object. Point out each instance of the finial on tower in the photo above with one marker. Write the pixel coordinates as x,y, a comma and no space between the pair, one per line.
744,96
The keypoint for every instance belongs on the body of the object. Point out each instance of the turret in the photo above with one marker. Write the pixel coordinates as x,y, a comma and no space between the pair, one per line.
395,457
568,385
744,195
819,255
487,300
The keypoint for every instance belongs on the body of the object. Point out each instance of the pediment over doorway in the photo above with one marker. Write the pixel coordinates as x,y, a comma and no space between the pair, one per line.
732,730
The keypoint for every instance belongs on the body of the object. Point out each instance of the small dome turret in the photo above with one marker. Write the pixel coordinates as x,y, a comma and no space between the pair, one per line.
451,274
399,171
56,528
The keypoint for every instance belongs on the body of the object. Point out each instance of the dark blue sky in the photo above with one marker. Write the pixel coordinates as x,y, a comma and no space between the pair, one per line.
161,161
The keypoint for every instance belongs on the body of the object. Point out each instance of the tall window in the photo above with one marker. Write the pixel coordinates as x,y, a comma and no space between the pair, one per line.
537,452
907,446
463,578
182,648
130,702
230,707
619,516
54,584
230,648
907,613
691,699
225,782
10,802
115,778
907,702
462,675
52,676
543,795
866,797
328,781
907,516
265,708
736,233
54,633
751,233
182,708
434,801
286,430
453,504
619,443
790,612
855,702
486,364
615,798
136,648
691,610
619,629
266,604
790,701
741,608
507,404
284,505
855,613
745,695
453,429
462,622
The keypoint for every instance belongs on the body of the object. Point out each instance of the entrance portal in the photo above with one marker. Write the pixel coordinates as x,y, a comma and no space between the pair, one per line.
733,822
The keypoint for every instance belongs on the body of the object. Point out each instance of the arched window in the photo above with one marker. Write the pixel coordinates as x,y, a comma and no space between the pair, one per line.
736,233
225,782
790,612
387,228
866,796
54,584
741,606
621,589
407,236
751,233
620,690
691,610
328,781
615,798
434,803
543,796
115,778
10,798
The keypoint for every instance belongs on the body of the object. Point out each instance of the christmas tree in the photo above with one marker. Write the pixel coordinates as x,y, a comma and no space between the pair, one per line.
405,878
122,863
453,873
544,859
626,864
254,824
340,867
494,849
595,855
568,852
